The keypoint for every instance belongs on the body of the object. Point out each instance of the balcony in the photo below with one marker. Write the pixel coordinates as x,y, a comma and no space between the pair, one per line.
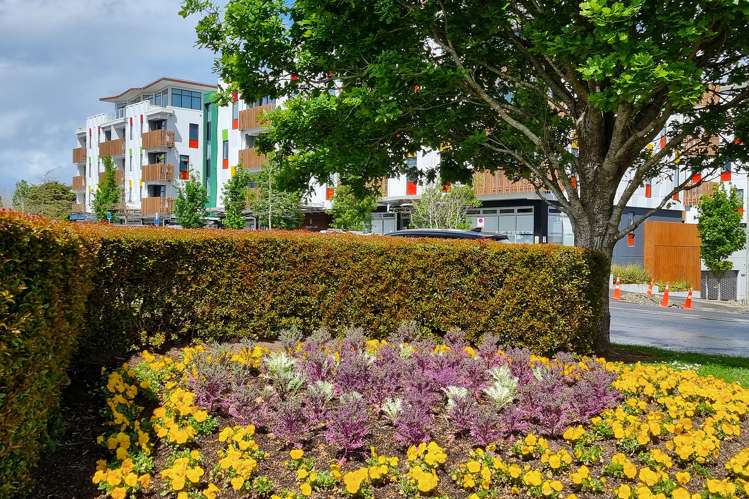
79,183
692,196
486,183
250,158
112,148
158,139
119,177
152,206
157,172
79,155
78,208
253,117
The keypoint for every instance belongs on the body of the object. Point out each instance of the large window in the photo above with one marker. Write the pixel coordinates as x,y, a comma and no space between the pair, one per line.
186,98
160,98
226,154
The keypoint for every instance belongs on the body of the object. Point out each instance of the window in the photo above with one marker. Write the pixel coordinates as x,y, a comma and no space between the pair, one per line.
194,135
186,98
107,135
208,131
226,154
161,98
130,192
235,115
131,160
156,190
184,167
249,141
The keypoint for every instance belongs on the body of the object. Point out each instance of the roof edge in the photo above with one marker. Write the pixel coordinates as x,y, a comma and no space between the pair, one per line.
113,98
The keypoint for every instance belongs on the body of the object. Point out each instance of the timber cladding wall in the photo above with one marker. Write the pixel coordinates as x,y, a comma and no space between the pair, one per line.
672,252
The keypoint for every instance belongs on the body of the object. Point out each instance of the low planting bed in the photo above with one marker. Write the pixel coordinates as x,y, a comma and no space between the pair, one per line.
410,417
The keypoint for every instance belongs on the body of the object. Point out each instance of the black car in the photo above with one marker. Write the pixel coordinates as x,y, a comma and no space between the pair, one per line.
449,234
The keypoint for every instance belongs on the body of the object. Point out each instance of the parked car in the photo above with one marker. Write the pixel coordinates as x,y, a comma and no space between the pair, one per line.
449,234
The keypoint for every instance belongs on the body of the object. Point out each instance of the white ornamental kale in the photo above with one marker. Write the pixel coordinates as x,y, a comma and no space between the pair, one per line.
391,408
321,389
279,369
503,387
454,393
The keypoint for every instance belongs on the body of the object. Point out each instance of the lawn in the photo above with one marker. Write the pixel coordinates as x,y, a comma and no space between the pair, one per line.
721,366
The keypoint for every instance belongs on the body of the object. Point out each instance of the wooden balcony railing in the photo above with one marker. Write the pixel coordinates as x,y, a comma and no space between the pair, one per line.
157,172
112,148
250,158
78,208
79,183
253,117
158,139
79,155
119,177
485,183
692,196
152,206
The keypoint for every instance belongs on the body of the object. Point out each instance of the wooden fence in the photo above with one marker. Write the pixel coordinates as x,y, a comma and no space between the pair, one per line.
671,252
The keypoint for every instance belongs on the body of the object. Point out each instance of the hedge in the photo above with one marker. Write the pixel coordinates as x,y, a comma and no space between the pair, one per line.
126,288
43,289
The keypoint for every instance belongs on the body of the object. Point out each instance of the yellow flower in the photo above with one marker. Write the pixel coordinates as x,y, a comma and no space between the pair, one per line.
194,474
683,477
623,491
306,489
211,491
118,493
302,473
473,466
131,479
680,493
533,478
296,454
237,482
353,479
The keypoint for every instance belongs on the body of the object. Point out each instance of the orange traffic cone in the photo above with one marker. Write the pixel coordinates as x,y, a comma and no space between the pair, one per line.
664,300
650,288
688,302
618,289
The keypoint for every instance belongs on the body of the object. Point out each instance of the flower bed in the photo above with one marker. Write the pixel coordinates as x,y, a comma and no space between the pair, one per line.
369,418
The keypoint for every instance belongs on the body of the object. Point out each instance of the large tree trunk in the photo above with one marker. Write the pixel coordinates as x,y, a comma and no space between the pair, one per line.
593,231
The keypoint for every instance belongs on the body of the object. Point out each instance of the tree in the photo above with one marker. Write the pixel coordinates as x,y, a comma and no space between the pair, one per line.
235,198
49,199
438,209
352,211
20,195
108,192
189,207
274,208
497,85
719,226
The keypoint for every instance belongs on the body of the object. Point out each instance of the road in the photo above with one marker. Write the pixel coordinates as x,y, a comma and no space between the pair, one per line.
705,331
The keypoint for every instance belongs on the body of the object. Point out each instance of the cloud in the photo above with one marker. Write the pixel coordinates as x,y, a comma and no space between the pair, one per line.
58,57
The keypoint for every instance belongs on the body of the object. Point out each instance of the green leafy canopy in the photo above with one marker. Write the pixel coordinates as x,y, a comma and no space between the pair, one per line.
719,226
189,207
352,211
108,192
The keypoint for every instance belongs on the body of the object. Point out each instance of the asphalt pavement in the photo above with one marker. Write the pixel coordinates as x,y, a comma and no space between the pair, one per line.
700,330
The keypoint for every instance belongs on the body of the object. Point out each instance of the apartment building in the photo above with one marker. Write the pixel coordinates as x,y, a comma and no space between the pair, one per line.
153,135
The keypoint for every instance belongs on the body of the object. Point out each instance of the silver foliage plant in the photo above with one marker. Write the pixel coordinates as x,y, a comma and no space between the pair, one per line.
280,371
502,389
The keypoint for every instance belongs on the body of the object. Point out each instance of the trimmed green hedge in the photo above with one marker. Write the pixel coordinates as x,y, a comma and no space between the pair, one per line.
126,288
183,285
43,289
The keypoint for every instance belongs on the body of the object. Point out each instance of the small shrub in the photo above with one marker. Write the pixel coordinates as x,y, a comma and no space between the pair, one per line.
630,274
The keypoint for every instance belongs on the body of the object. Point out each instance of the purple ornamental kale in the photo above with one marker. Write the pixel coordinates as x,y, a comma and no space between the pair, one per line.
414,424
352,374
485,427
461,411
348,424
289,423
247,405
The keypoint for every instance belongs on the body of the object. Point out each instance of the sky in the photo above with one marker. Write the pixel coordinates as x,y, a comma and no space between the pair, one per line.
58,57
